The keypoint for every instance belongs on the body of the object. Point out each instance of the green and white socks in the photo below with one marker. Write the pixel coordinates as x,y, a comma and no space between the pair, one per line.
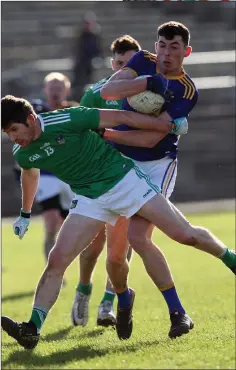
84,288
228,258
108,296
87,290
38,317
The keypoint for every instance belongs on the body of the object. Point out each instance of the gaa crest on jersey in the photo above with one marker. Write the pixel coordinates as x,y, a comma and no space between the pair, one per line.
60,139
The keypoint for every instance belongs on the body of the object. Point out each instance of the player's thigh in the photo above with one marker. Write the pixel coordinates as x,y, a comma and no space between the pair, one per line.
160,212
139,230
75,235
117,243
96,246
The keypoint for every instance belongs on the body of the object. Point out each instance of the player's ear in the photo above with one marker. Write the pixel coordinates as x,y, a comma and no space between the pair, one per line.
188,51
156,46
30,119
112,63
68,91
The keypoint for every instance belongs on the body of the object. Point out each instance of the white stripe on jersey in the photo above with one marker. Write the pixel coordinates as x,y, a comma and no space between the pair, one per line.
15,148
55,117
57,122
97,89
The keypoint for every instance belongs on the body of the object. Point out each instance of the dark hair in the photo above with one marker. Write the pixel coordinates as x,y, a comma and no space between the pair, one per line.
15,110
123,44
171,29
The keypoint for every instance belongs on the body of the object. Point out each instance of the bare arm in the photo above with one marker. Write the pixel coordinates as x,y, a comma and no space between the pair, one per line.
140,138
123,84
110,118
29,184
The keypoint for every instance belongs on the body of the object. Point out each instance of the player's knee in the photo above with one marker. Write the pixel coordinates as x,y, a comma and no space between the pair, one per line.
115,260
137,240
187,236
57,260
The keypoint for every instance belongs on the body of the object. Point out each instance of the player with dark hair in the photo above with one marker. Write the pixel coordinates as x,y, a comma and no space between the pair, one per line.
154,153
106,185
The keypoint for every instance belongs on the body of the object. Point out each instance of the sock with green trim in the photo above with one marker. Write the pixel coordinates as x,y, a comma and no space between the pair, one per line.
38,317
228,257
108,296
84,288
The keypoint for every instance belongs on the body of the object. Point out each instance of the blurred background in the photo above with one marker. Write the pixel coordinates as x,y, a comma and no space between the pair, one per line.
74,38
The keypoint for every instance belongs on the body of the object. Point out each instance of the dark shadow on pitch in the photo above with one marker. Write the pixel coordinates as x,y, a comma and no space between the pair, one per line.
80,352
16,296
58,335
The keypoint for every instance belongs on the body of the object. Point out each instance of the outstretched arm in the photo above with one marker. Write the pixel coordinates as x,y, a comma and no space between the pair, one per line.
110,118
140,138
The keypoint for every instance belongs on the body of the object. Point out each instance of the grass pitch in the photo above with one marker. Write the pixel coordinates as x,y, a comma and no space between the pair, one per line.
205,286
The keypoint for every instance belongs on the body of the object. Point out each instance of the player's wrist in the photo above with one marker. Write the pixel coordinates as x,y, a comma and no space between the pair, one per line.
25,214
107,134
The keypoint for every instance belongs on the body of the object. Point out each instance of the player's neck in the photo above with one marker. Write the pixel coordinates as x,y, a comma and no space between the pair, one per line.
38,129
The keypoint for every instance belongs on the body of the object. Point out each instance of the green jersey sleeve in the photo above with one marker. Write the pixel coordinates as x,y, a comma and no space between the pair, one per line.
87,99
83,118
75,119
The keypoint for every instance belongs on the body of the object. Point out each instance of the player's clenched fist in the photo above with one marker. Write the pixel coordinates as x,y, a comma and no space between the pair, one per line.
20,226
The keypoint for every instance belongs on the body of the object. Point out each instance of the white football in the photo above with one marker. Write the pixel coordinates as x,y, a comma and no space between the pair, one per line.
146,102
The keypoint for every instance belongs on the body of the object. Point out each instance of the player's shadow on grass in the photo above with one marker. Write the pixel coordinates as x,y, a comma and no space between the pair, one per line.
80,352
79,333
59,335
17,296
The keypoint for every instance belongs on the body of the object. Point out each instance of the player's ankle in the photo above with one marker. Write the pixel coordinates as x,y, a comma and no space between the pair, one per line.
84,288
108,296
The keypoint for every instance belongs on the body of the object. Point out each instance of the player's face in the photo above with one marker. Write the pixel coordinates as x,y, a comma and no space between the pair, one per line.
56,92
120,60
170,54
20,133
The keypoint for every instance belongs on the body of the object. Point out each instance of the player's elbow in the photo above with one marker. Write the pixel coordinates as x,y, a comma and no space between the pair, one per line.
104,92
107,92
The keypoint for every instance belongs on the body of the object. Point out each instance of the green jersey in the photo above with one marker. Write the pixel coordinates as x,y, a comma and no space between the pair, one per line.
71,151
92,98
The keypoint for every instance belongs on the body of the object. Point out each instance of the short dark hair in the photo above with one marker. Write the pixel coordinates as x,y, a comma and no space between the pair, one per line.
123,44
171,29
15,110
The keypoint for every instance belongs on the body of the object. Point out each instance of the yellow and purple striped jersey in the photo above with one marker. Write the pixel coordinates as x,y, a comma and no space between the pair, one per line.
186,96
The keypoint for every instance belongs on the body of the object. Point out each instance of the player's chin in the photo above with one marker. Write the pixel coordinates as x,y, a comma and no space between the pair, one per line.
24,143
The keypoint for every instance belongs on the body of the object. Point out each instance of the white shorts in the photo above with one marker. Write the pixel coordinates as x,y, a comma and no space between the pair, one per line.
162,173
124,199
50,186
